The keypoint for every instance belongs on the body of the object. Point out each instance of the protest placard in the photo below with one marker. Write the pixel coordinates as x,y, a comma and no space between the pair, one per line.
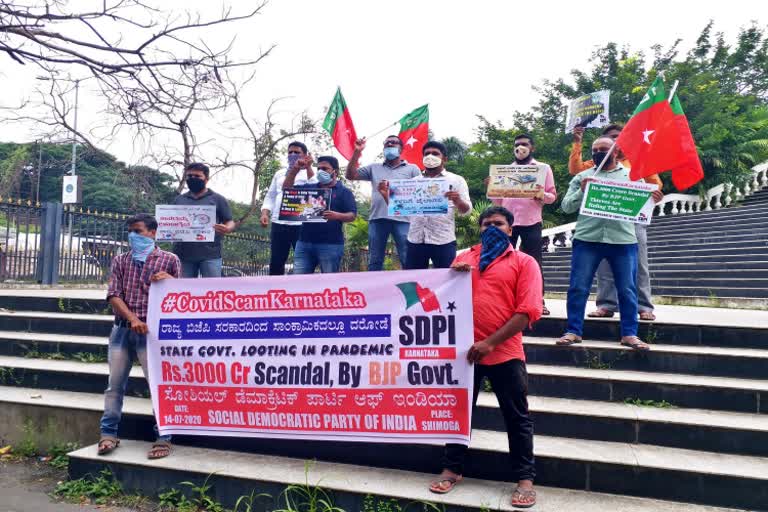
418,197
619,200
515,181
305,204
589,111
185,223
327,356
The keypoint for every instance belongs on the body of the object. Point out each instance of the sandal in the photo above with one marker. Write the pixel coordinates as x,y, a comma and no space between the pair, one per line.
545,311
601,313
437,486
567,340
523,498
107,444
635,343
647,315
159,450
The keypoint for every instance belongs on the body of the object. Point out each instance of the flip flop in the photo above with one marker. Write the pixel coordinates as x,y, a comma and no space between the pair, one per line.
647,316
601,313
522,498
436,486
107,444
158,449
567,340
636,343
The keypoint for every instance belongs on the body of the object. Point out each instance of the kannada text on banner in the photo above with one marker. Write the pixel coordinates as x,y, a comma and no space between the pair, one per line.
508,181
185,223
357,356
305,204
619,200
589,111
418,197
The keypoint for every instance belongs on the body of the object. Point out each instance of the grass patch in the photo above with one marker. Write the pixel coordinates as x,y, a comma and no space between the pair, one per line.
663,404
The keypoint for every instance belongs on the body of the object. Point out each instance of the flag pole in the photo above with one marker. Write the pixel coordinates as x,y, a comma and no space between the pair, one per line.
381,131
674,89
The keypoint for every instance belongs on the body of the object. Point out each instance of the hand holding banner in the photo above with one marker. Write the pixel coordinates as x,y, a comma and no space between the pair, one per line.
619,200
418,197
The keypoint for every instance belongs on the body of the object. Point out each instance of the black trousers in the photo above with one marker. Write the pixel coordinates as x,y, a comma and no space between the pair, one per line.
530,243
283,238
418,255
509,381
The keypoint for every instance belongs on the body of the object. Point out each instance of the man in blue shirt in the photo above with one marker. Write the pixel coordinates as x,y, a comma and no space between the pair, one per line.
322,243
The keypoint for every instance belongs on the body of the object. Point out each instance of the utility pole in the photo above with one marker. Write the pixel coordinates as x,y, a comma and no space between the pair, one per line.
39,169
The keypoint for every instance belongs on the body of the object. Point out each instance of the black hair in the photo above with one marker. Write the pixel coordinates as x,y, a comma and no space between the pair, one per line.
437,145
149,221
497,210
394,137
198,166
299,145
610,128
525,136
329,160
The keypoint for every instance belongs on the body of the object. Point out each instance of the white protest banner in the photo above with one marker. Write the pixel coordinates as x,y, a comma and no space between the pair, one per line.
417,197
515,181
376,357
185,223
589,111
619,200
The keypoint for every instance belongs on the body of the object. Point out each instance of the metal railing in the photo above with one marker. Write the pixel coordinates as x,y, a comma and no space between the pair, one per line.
20,223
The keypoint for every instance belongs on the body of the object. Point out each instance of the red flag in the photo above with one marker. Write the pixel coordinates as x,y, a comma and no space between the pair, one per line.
338,123
657,139
689,171
414,132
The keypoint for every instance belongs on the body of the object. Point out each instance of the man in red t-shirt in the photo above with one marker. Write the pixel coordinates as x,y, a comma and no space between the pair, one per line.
506,298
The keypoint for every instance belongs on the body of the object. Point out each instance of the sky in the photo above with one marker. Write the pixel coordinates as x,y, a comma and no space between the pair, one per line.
463,58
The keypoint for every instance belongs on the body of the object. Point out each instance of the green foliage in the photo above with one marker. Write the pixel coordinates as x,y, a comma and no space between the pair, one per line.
200,498
467,230
723,89
28,446
58,454
663,404
307,497
100,490
377,504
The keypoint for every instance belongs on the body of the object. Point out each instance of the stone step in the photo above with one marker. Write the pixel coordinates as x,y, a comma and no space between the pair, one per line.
719,229
684,265
693,292
710,252
727,432
754,286
56,323
233,474
684,359
694,391
750,277
734,211
708,239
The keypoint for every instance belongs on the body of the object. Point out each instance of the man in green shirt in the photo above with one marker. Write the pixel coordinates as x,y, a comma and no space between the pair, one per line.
598,239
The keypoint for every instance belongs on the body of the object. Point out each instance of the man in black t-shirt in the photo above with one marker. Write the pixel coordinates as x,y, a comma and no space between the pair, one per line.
322,243
203,258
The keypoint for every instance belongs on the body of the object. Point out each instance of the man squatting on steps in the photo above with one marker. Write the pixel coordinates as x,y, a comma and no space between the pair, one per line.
506,298
128,294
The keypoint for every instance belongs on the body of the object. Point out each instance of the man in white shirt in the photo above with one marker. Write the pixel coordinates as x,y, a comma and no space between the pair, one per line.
284,234
433,237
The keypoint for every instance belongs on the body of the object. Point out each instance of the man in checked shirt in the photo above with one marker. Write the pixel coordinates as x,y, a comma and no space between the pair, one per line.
128,294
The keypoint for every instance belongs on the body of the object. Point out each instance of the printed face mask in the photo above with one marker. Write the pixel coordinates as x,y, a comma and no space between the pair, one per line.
522,152
432,161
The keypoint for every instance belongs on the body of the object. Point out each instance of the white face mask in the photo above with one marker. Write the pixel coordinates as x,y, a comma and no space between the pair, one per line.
432,161
522,152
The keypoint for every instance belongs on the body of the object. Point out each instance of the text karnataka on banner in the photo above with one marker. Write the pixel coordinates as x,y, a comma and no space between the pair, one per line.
376,357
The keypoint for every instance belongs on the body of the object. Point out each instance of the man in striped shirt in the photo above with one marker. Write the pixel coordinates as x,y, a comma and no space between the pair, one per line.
128,294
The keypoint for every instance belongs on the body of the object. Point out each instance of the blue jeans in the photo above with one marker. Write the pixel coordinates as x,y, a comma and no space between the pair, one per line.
123,345
378,234
308,255
204,268
585,258
418,255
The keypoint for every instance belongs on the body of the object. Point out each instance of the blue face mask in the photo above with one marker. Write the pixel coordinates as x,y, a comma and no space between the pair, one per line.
141,246
292,159
324,177
391,153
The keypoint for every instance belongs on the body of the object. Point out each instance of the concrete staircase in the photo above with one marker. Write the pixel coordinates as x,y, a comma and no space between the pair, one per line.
705,256
704,444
